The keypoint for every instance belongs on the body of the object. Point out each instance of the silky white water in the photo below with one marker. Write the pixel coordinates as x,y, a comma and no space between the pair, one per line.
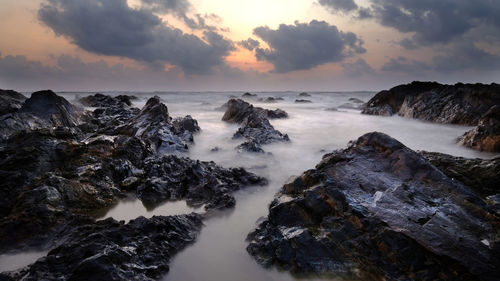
219,252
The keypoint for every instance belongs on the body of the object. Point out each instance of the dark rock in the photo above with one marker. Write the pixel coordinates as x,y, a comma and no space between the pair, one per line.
383,211
48,106
259,131
331,109
249,95
431,101
351,106
355,100
302,101
304,94
175,178
486,135
481,175
215,149
100,100
270,99
111,250
237,110
250,146
154,125
10,101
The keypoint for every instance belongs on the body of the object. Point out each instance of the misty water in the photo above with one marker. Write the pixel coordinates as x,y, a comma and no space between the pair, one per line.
219,252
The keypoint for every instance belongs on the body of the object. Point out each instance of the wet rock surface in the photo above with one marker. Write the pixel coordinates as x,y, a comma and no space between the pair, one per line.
255,125
111,250
302,101
10,101
59,163
481,175
486,135
454,104
379,210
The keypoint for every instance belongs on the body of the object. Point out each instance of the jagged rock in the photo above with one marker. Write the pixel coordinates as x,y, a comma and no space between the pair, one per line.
174,178
111,250
481,175
10,101
44,109
237,110
431,101
304,94
486,135
382,211
302,101
154,125
259,131
100,100
250,146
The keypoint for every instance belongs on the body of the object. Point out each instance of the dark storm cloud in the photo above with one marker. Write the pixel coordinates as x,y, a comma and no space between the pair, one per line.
306,45
249,44
436,21
111,27
339,5
460,57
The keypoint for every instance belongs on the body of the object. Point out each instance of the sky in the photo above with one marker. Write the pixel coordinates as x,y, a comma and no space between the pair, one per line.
246,45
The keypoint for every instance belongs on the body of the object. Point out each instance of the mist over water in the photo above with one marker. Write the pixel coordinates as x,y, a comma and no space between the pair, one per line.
219,252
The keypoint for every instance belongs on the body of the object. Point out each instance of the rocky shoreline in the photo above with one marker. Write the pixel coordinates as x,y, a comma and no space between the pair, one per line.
375,210
59,163
464,104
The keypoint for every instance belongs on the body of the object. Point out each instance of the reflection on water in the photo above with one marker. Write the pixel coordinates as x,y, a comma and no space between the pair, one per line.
9,262
219,253
131,208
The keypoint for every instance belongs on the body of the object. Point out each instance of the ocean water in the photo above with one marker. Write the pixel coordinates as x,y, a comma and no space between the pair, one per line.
219,252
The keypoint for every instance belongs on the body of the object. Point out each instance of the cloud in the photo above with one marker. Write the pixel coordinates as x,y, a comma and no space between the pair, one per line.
435,22
358,68
306,45
179,7
339,5
111,27
465,56
249,44
404,65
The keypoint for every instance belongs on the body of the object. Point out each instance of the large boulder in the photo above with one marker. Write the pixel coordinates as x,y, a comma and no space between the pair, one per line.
10,101
455,104
237,110
100,100
381,211
111,250
486,135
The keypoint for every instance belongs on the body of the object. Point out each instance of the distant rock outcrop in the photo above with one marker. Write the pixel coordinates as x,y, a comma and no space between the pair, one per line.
465,104
255,126
380,211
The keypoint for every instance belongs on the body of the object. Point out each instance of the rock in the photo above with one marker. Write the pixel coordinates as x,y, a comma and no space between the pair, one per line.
355,100
154,125
100,100
380,211
270,100
304,94
237,110
250,146
44,109
174,178
111,250
486,135
255,126
10,101
48,106
455,104
249,95
481,175
302,101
